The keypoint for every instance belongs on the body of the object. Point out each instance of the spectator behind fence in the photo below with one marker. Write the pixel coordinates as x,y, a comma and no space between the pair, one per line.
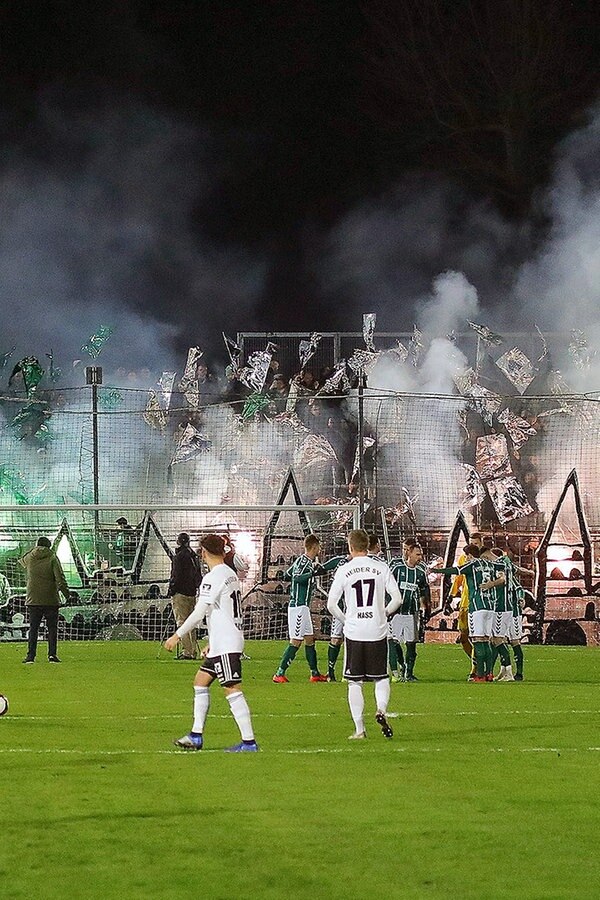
183,584
278,392
4,589
45,580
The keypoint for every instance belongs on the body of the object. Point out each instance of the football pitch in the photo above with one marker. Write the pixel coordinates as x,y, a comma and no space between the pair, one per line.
485,791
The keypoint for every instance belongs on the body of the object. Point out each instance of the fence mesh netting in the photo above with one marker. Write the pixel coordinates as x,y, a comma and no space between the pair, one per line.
499,458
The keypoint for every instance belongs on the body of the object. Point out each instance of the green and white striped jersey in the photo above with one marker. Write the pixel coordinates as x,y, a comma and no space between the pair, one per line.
302,574
476,573
412,582
503,594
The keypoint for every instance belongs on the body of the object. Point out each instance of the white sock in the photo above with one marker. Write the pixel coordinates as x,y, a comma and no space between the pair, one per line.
356,702
241,713
382,694
508,670
201,705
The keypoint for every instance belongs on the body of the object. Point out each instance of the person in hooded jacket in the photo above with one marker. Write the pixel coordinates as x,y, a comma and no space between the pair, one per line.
45,581
183,584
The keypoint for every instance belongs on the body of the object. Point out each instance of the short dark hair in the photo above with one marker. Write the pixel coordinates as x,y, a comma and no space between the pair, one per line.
44,542
213,544
472,550
183,538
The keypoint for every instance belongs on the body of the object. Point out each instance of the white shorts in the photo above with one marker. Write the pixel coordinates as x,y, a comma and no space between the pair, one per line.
515,629
403,628
501,624
337,628
480,623
299,622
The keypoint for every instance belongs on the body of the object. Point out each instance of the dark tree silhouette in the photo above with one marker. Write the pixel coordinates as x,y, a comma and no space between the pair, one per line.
482,89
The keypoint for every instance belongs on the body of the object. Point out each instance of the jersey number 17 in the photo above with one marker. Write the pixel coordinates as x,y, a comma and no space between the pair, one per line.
359,588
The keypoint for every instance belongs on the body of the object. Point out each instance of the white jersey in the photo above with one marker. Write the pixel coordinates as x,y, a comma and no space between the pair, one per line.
363,583
220,600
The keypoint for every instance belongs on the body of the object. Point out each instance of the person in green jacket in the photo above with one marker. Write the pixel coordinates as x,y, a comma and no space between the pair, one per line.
45,580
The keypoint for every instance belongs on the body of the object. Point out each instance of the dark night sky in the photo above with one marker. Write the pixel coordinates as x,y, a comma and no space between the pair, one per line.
308,111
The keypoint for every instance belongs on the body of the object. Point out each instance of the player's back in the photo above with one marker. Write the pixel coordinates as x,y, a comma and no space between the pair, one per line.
363,583
221,590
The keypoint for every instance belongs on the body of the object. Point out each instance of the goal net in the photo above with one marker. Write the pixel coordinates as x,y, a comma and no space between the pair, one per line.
117,562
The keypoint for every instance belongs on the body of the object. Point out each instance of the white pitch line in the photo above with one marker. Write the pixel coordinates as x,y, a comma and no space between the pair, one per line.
315,715
291,752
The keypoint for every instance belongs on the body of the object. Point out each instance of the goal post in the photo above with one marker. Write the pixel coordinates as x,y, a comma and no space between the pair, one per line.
117,562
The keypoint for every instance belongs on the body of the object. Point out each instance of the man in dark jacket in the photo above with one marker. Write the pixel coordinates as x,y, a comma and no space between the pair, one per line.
45,579
183,583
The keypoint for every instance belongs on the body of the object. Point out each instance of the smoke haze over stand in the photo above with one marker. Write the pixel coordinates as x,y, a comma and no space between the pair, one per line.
97,215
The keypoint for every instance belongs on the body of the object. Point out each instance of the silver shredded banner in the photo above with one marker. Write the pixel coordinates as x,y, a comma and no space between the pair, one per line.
487,336
154,415
368,442
518,368
491,457
363,361
474,492
509,499
337,383
188,384
369,320
485,402
307,349
254,373
400,351
519,429
580,351
165,383
191,444
415,346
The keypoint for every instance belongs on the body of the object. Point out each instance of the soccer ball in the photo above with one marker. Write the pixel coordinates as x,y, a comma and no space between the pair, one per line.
3,705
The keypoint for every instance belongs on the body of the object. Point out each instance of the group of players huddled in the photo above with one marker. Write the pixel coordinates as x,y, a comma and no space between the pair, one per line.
375,610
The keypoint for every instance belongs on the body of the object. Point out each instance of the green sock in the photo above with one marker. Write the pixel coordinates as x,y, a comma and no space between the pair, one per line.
333,651
504,654
495,652
393,656
480,656
411,656
400,656
518,651
488,658
288,655
311,658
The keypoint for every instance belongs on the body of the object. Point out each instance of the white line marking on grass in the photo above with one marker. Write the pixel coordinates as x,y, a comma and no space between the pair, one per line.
286,751
308,715
317,715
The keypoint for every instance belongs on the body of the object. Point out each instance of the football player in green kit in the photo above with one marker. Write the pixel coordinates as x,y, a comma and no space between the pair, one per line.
302,573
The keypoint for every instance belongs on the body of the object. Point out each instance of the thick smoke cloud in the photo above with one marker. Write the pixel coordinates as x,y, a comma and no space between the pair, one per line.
99,211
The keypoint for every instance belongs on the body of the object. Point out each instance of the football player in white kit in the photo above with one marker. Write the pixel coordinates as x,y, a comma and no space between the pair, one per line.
362,583
219,600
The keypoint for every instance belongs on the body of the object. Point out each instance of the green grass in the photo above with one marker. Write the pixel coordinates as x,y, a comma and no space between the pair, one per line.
485,791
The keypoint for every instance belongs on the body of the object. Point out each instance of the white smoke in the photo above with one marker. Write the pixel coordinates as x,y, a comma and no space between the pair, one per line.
105,229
